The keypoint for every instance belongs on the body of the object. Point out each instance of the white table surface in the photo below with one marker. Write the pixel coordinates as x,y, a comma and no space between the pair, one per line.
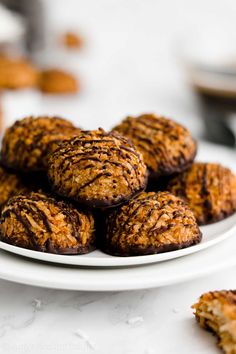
135,75
34,320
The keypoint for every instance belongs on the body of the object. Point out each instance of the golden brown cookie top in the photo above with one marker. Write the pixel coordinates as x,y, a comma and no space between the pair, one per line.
225,297
151,223
97,168
27,143
17,73
57,81
167,147
210,190
38,221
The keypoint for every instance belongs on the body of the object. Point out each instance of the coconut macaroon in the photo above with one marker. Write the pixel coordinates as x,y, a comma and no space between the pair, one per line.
10,185
216,312
98,169
151,223
28,142
167,147
17,73
43,223
56,81
209,189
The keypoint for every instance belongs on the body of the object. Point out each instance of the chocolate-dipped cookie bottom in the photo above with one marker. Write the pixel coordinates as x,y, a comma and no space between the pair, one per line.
209,189
28,142
42,223
151,223
167,147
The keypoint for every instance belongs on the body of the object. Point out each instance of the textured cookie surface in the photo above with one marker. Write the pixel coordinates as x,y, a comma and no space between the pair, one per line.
167,147
27,143
216,312
209,189
98,169
42,223
10,185
16,73
151,223
57,82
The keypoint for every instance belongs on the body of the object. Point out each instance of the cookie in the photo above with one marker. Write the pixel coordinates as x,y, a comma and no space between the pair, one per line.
55,81
216,312
17,73
28,142
209,189
42,223
151,223
98,169
72,40
10,185
167,147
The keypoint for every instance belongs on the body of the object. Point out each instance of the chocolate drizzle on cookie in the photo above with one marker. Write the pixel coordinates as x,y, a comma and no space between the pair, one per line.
45,224
209,189
167,146
98,169
151,223
28,143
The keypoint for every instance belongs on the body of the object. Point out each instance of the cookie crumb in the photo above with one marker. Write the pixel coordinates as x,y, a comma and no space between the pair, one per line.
135,321
175,310
84,336
37,304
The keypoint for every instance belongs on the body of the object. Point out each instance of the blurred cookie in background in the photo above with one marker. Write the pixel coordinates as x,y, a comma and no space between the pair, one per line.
57,81
17,73
72,40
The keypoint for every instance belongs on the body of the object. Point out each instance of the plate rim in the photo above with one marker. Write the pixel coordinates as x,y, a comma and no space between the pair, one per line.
147,282
111,261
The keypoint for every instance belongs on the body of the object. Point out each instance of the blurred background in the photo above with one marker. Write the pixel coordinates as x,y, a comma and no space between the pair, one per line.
176,58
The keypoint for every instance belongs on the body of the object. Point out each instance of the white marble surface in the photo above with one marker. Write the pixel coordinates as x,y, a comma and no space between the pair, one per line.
126,67
34,320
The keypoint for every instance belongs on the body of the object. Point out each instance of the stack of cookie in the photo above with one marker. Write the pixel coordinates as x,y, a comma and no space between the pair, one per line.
169,152
82,182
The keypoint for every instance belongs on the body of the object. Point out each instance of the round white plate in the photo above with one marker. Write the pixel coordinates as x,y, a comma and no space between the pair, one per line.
24,270
212,234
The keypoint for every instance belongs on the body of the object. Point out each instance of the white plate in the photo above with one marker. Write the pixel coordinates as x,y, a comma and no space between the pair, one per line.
212,234
23,270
